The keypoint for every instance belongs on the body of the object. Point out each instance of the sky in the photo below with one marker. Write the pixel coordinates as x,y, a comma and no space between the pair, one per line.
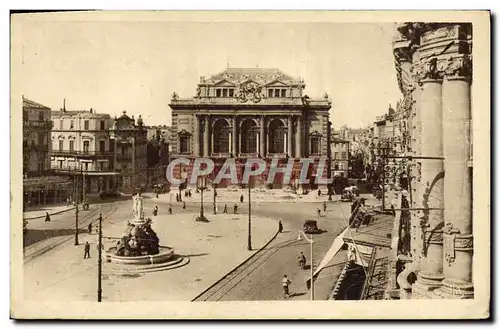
114,66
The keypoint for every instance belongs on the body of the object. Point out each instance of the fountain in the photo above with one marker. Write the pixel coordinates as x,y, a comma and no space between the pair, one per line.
139,248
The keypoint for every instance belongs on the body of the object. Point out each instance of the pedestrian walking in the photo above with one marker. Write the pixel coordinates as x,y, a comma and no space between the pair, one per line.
183,204
177,197
90,228
318,211
280,227
286,284
189,193
157,194
225,208
87,250
47,217
324,206
155,210
319,192
235,208
170,209
216,208
241,198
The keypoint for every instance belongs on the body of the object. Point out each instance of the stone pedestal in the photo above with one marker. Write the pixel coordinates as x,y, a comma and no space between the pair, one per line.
458,247
432,175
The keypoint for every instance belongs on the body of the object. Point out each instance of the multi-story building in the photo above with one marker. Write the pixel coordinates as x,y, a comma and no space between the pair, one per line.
129,140
82,150
340,157
39,184
241,113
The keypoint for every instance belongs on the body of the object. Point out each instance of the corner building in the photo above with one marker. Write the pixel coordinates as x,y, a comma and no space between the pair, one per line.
248,113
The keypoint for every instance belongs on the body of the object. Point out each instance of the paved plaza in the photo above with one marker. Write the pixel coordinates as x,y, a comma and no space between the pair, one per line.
213,248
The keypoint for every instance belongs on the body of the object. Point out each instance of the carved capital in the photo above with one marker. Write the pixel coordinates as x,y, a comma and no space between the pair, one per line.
458,67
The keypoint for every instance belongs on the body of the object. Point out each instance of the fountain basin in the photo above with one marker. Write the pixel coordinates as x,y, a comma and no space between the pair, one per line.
165,255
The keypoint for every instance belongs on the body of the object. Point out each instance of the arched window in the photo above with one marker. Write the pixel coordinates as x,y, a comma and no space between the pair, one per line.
221,133
249,137
276,136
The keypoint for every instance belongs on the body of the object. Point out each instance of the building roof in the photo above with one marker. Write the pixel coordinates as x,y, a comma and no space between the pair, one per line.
79,113
27,103
260,75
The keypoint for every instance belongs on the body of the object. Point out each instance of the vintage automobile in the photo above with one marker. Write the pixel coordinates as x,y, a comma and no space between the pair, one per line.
311,227
349,194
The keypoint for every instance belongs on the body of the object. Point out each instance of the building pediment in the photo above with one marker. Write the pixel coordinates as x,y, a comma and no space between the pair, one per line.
224,83
276,83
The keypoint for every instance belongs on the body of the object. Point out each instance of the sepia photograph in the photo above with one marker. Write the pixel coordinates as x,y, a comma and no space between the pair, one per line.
266,165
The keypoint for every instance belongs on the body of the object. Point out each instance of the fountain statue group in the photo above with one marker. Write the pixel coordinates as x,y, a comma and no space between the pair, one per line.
139,238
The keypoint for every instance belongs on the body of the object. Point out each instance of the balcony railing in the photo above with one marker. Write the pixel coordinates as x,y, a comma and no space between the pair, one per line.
38,124
81,153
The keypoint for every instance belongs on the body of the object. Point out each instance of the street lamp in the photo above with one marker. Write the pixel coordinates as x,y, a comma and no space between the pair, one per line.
329,153
249,242
214,186
311,242
76,210
201,184
99,262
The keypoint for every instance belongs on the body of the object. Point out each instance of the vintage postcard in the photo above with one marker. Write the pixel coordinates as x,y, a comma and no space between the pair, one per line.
250,165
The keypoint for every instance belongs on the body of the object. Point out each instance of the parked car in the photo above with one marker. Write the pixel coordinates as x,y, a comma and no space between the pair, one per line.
311,227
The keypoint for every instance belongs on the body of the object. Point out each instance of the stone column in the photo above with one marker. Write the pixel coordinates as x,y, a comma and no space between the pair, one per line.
298,138
289,136
458,239
262,150
206,136
431,274
230,146
196,136
234,137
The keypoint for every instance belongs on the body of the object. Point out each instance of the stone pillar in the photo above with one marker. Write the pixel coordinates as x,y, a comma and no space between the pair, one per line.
234,137
230,146
458,239
262,149
289,137
206,136
298,138
431,274
196,136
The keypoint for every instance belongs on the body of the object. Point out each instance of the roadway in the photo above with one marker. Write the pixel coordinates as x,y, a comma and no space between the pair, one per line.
260,278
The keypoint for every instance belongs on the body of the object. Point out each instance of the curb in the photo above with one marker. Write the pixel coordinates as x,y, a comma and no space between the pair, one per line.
55,213
237,267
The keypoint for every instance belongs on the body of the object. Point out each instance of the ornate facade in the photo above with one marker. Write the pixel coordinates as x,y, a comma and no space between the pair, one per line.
129,139
243,113
81,149
434,66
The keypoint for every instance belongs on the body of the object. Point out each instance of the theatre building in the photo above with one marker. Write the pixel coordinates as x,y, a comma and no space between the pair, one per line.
247,113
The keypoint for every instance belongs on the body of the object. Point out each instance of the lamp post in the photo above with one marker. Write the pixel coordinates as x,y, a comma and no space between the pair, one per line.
249,242
201,185
329,154
311,242
215,197
99,262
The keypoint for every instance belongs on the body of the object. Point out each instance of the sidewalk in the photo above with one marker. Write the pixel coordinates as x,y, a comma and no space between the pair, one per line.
40,212
214,249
